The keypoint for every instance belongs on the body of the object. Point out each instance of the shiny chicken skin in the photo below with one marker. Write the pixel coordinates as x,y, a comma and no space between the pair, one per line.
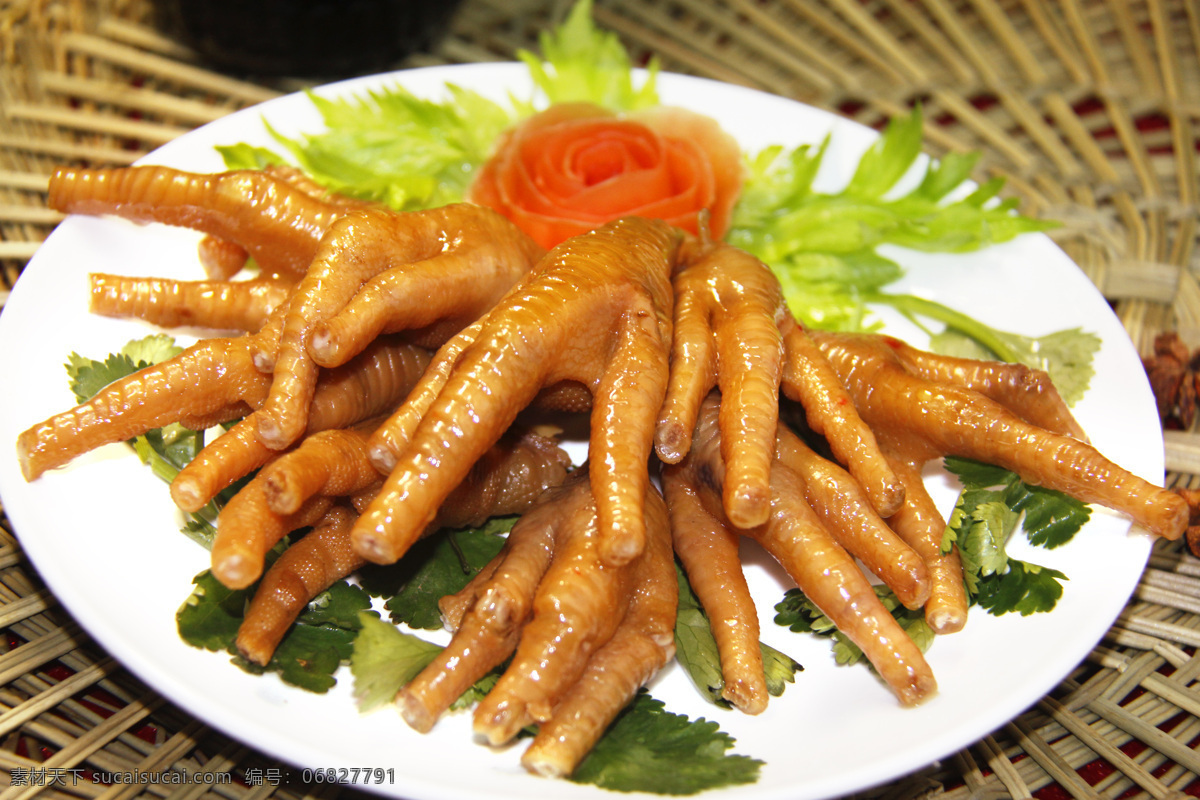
636,322
595,313
275,215
924,406
507,480
583,635
363,269
734,332
820,522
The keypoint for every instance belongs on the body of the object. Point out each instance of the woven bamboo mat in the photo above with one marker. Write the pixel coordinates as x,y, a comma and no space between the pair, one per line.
1089,109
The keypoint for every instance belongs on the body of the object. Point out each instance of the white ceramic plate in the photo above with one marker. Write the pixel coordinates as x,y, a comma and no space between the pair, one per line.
103,532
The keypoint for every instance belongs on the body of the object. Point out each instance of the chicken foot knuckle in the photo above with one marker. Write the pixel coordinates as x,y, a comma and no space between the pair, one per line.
817,547
595,311
952,420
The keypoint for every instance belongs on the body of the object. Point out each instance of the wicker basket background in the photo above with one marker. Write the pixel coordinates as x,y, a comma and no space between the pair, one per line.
1088,109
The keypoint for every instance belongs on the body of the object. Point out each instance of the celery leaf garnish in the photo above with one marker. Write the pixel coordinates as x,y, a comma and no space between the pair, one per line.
820,243
396,148
583,63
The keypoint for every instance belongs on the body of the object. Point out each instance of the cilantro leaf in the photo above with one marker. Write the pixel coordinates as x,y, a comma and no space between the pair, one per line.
314,647
696,650
88,376
436,566
799,614
1023,587
586,64
989,508
1052,518
648,749
210,616
384,659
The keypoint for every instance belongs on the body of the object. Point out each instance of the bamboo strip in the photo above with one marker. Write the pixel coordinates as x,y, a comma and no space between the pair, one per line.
166,754
37,215
1173,693
68,150
1005,772
702,64
27,181
1135,46
949,20
1150,734
841,37
48,699
1051,761
18,250
142,37
24,607
36,652
881,38
1053,35
179,109
1182,451
999,21
1105,749
91,122
165,69
778,42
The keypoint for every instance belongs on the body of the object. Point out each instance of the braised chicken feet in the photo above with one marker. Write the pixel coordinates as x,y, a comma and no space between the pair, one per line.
595,314
363,269
820,522
734,332
923,406
507,480
584,635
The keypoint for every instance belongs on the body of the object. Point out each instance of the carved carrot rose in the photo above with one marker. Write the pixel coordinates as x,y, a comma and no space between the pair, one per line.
576,166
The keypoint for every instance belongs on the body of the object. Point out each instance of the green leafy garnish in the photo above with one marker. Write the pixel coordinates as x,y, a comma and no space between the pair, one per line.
384,659
410,152
580,62
1025,588
1066,355
649,749
823,246
993,504
797,613
396,148
696,651
310,653
88,376
441,565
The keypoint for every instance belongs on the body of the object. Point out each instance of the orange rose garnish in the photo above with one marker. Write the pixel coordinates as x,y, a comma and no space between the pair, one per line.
576,166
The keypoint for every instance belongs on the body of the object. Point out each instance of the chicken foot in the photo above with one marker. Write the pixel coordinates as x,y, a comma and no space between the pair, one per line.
820,522
596,312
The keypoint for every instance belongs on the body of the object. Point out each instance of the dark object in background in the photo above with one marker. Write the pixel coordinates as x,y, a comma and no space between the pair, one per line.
305,38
